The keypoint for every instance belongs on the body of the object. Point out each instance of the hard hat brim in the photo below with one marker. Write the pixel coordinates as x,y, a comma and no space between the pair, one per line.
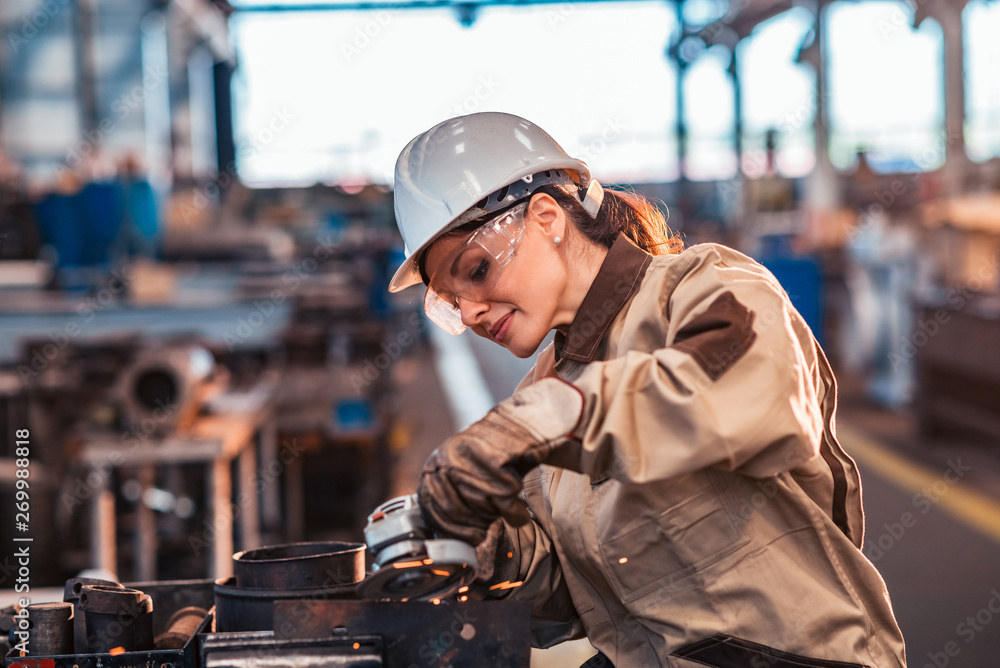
407,274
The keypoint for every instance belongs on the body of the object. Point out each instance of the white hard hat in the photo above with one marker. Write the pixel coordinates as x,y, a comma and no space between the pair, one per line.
444,176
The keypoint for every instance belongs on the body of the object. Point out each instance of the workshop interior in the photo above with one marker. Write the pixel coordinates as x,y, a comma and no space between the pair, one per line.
214,413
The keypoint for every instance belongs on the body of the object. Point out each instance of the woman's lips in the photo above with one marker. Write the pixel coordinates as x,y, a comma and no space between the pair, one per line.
500,330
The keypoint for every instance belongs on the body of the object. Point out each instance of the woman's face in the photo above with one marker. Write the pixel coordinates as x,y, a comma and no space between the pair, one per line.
525,304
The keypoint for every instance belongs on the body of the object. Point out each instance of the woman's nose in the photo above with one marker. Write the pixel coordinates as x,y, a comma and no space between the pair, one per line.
472,311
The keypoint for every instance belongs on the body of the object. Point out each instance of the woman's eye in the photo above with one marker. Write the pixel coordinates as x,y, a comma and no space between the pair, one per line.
480,271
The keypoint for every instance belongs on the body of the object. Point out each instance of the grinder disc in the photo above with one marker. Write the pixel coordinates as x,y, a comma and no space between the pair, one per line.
447,566
414,580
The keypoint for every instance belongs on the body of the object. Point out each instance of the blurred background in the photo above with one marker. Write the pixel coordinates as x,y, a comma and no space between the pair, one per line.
196,234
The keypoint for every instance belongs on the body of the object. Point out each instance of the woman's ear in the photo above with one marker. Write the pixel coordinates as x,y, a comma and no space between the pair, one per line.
545,212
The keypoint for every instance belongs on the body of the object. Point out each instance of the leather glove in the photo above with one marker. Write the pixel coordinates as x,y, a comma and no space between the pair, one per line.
494,564
475,476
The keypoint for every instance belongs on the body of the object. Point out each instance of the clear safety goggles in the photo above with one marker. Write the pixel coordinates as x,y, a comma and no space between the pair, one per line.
471,271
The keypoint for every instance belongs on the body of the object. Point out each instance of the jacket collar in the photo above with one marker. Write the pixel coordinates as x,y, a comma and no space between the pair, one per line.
617,280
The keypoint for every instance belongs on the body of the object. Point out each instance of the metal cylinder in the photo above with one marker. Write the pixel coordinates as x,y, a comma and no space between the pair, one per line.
112,617
75,585
164,386
181,626
300,565
51,629
243,609
72,595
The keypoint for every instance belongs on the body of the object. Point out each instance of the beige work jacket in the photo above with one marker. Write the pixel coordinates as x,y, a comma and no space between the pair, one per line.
708,515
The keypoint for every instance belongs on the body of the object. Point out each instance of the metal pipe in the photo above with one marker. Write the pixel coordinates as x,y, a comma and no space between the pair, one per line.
72,595
180,628
113,617
51,630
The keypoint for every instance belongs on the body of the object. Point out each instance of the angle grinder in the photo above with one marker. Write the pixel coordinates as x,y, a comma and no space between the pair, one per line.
411,562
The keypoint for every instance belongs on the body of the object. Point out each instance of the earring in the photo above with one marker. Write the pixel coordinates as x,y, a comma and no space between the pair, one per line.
557,240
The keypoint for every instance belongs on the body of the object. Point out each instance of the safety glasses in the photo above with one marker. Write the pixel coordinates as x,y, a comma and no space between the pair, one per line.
472,269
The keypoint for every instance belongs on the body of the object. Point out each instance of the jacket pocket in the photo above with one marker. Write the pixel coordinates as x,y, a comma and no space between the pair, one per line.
687,537
724,651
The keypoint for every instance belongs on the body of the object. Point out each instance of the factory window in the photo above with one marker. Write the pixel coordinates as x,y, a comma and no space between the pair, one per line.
61,114
40,117
777,96
886,87
982,96
333,96
709,110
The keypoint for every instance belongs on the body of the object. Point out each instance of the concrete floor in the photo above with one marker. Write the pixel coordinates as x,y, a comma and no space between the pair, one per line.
942,568
932,511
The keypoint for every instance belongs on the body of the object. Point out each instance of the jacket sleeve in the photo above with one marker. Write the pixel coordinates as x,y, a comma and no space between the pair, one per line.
733,385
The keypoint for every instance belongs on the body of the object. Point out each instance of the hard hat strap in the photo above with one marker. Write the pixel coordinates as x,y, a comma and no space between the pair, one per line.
518,190
593,198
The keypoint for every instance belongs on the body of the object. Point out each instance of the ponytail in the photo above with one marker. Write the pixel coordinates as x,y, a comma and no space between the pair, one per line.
622,212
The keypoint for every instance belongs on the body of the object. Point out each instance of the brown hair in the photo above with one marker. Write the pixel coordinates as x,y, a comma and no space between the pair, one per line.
622,212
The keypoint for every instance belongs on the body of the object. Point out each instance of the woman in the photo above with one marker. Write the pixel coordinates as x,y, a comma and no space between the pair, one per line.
667,480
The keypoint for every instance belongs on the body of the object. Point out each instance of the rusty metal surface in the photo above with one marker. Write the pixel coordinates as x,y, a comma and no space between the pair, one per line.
72,595
187,657
51,629
117,618
166,597
246,609
180,627
170,596
418,633
110,600
260,649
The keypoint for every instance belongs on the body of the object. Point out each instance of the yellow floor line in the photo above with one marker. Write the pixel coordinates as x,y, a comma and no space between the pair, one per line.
977,510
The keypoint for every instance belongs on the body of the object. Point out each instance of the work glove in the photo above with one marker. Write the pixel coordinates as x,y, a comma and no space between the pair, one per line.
475,476
492,555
